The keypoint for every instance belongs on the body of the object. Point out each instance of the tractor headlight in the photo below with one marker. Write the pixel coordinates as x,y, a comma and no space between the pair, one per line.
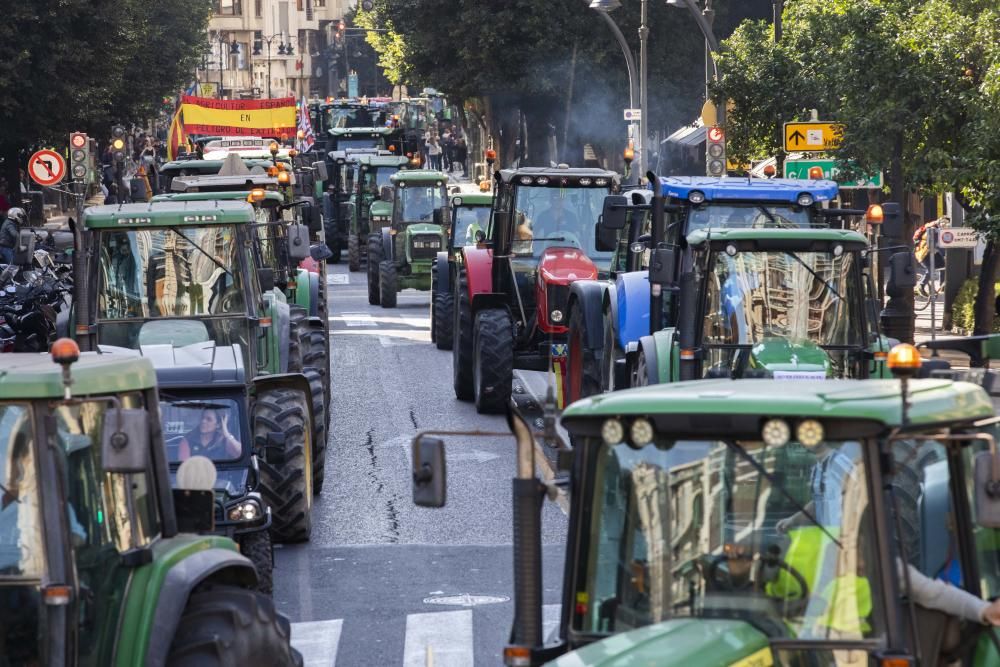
556,315
245,511
805,199
612,431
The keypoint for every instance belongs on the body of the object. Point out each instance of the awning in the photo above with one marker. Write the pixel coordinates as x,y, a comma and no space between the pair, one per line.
690,135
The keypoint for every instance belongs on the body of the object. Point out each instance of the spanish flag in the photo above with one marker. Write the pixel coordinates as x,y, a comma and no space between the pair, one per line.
177,137
261,118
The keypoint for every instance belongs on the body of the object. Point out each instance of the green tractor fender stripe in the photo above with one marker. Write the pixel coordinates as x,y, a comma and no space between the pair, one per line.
667,354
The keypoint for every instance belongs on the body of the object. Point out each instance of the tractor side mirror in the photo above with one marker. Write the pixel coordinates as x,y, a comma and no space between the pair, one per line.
265,276
298,241
663,267
310,216
615,210
320,251
986,474
605,239
125,440
902,274
429,472
385,193
321,173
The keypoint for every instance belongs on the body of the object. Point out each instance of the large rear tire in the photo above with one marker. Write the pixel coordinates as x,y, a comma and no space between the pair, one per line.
321,419
461,349
226,626
297,338
443,307
493,360
285,477
583,365
353,253
374,259
387,283
257,547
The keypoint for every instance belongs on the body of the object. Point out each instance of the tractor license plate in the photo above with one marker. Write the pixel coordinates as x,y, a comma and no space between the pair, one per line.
559,350
799,375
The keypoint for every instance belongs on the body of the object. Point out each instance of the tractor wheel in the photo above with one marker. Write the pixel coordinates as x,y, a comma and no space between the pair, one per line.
493,360
443,320
319,430
387,283
353,253
298,339
583,365
461,349
257,547
374,259
319,357
608,368
434,291
226,626
284,476
323,310
640,378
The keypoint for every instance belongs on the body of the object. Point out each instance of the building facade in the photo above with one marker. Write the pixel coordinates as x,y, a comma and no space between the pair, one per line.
271,48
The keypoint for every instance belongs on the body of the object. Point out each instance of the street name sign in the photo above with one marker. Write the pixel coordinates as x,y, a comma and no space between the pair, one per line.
813,136
958,237
47,167
632,115
800,169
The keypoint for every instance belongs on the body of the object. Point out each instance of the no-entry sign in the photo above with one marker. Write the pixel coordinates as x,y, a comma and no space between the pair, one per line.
47,167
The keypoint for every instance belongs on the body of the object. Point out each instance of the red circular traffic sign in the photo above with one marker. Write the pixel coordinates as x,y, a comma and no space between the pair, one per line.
47,167
78,140
715,133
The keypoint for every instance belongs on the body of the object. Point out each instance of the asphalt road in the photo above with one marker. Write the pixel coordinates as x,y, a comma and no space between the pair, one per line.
383,582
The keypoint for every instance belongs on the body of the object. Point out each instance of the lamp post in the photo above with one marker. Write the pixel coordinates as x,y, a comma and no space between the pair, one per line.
281,52
234,49
603,7
704,21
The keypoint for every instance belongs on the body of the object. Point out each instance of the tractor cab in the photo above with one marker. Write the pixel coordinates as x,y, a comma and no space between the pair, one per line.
400,254
369,211
359,138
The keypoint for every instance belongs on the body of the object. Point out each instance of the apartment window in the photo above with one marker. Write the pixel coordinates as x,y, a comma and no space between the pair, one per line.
319,3
258,8
258,41
228,7
298,5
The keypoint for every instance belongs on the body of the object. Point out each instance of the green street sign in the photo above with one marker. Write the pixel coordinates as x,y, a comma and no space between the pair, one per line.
800,169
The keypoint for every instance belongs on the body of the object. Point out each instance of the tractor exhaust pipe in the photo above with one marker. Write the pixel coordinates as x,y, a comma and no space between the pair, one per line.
687,326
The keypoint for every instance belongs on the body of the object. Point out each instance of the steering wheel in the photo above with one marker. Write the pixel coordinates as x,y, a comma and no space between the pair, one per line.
771,560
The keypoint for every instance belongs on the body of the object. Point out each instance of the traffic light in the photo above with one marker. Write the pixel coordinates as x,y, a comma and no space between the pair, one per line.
118,142
79,156
715,151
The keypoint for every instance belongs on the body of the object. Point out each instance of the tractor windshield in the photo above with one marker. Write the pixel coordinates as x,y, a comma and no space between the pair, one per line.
777,536
417,201
352,117
469,220
200,428
742,216
759,305
375,178
22,553
344,143
546,217
170,272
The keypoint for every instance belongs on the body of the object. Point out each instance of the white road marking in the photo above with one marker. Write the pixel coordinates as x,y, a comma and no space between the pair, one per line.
356,319
317,641
442,639
339,279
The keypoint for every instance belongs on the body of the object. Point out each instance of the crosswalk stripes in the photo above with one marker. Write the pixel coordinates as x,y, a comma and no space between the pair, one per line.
442,639
317,641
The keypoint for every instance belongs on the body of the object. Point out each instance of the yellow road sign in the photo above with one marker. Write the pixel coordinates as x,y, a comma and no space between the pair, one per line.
812,136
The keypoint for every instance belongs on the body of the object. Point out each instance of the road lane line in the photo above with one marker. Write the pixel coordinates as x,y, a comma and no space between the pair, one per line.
317,641
445,635
338,279
551,615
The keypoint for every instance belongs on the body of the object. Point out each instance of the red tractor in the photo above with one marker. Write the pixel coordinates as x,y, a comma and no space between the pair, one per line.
512,290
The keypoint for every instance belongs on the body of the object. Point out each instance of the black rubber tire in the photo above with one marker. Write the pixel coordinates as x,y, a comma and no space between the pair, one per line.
461,349
640,376
584,364
297,338
257,547
493,360
226,626
353,253
909,461
285,485
336,247
608,354
387,283
434,291
319,427
319,357
443,320
374,259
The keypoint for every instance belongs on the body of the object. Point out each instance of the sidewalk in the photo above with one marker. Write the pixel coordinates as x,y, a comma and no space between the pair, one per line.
922,332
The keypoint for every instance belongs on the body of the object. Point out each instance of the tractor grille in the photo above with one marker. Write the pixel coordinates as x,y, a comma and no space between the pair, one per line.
557,297
426,246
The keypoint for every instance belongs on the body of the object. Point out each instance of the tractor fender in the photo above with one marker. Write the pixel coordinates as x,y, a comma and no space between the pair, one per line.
632,299
280,325
214,564
667,355
610,306
442,272
648,347
387,252
588,296
296,381
485,300
478,271
307,291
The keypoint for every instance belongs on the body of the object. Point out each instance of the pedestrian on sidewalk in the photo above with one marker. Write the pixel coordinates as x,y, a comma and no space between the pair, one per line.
462,154
922,250
433,154
16,217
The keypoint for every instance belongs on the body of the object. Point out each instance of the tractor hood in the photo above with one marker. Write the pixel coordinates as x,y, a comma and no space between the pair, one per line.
381,208
676,642
790,360
561,266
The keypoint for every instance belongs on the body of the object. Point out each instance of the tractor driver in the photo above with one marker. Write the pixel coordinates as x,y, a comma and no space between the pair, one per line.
416,206
557,218
211,438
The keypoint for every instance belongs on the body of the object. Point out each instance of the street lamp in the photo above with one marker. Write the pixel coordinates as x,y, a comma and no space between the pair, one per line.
603,7
281,52
234,49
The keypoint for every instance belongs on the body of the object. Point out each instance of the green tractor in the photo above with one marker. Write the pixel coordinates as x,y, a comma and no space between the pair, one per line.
99,560
184,272
766,522
370,212
400,254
